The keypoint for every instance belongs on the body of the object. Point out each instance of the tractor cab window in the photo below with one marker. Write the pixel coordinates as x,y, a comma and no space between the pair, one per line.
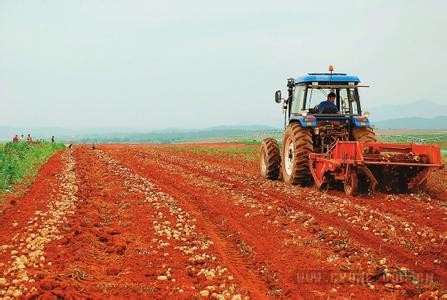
349,101
315,97
298,98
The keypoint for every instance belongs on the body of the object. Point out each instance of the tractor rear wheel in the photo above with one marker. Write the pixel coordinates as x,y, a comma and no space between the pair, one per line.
297,145
364,135
270,159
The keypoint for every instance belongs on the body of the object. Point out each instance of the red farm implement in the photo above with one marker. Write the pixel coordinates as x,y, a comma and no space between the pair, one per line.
370,165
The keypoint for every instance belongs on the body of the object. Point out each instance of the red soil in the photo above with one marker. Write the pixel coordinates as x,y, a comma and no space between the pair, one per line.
147,221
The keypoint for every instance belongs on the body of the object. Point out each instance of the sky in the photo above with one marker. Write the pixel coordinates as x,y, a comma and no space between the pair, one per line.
193,64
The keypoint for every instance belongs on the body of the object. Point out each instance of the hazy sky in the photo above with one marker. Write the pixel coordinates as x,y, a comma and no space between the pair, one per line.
156,64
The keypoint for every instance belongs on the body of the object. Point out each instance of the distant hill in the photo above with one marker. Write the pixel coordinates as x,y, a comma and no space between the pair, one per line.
413,123
175,135
419,109
215,128
168,135
232,133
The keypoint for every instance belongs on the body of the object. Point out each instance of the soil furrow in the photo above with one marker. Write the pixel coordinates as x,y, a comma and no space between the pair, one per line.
397,254
198,221
196,245
152,171
28,246
418,208
393,230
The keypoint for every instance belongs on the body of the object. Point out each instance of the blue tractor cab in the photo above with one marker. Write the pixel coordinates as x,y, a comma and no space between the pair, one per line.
306,92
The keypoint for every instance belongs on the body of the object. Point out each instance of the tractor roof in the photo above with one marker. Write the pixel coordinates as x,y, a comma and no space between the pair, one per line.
327,77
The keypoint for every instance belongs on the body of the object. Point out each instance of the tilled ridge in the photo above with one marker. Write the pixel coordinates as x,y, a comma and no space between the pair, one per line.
159,222
391,229
27,248
383,266
181,234
264,246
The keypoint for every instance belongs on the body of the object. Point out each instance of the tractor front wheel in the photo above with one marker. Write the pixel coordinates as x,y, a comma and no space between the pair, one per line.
297,146
270,159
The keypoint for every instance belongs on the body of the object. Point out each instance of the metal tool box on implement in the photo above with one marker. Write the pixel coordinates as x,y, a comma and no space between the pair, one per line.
332,144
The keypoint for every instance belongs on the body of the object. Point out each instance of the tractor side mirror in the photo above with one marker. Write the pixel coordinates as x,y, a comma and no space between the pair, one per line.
278,96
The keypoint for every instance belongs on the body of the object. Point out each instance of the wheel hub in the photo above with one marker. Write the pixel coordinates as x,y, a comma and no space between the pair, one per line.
289,159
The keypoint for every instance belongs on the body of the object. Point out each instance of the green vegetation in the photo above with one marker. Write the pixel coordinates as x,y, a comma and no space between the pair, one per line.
252,140
420,138
20,162
247,152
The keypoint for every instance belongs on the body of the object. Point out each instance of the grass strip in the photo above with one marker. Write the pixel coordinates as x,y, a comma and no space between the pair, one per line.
20,162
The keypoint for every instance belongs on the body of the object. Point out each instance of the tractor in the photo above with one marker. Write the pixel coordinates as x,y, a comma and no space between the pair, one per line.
332,144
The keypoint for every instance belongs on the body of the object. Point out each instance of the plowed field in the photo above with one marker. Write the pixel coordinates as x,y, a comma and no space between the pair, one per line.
193,221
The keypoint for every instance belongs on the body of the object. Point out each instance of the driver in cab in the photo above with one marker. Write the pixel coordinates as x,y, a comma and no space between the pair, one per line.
328,106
